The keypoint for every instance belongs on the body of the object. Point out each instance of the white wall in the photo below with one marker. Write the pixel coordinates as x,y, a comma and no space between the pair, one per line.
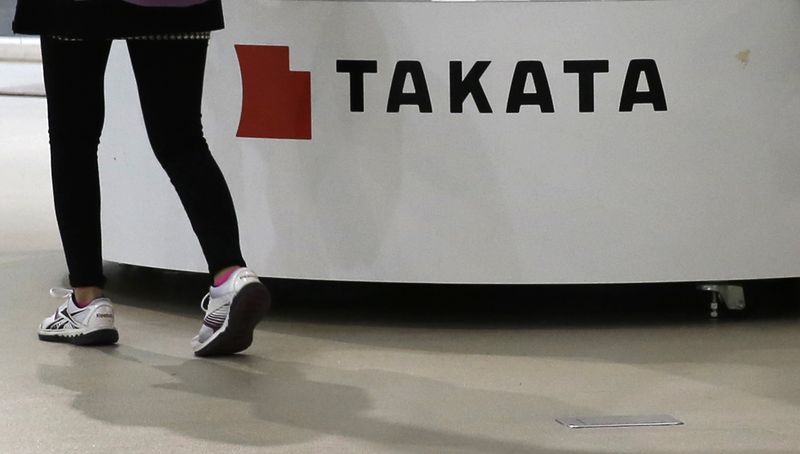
707,190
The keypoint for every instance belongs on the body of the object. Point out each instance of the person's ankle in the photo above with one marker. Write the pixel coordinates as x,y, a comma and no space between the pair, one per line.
83,296
221,277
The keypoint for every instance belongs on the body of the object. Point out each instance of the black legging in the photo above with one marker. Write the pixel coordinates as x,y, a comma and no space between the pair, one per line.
169,75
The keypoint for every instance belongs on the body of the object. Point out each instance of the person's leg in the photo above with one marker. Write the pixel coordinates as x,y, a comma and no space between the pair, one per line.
170,79
73,76
169,75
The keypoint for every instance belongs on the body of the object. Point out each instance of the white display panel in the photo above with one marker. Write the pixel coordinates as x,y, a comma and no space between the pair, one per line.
708,189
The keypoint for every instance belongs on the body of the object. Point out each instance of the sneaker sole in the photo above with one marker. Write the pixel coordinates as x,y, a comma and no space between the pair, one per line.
99,337
248,307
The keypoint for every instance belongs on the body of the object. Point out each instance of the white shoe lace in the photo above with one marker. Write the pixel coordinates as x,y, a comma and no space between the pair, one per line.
60,292
204,303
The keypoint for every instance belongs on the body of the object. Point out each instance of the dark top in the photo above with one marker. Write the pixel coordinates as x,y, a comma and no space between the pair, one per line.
108,19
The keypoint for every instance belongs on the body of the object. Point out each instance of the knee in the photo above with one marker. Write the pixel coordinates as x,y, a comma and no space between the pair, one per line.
74,127
74,143
176,151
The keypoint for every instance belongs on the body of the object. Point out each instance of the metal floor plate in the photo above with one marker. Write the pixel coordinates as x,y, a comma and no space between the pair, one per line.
590,422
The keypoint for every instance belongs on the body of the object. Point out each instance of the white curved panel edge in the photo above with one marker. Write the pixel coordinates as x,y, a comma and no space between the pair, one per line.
707,190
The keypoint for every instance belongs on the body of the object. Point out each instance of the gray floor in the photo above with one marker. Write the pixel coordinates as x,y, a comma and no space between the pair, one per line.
372,376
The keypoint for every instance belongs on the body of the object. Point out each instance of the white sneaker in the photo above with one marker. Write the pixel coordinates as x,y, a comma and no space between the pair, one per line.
90,325
232,312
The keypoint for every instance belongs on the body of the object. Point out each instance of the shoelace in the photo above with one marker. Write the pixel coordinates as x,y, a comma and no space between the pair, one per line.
60,292
206,299
203,303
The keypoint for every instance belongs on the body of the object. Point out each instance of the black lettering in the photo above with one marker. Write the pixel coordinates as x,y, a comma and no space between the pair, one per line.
586,69
655,94
357,69
462,87
419,97
517,97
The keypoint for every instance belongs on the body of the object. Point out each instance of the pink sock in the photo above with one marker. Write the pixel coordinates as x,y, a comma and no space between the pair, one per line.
224,277
80,304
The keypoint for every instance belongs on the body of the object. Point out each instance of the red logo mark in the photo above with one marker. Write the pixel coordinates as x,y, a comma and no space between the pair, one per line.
276,102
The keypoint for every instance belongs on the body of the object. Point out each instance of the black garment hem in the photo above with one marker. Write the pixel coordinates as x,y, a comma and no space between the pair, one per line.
78,282
112,19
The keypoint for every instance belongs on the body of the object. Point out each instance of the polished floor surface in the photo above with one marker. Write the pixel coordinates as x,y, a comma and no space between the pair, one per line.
374,369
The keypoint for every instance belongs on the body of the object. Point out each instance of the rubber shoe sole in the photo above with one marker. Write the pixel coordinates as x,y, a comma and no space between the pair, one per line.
99,337
248,307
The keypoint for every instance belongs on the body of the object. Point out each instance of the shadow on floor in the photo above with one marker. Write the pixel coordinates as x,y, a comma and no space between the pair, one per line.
247,400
